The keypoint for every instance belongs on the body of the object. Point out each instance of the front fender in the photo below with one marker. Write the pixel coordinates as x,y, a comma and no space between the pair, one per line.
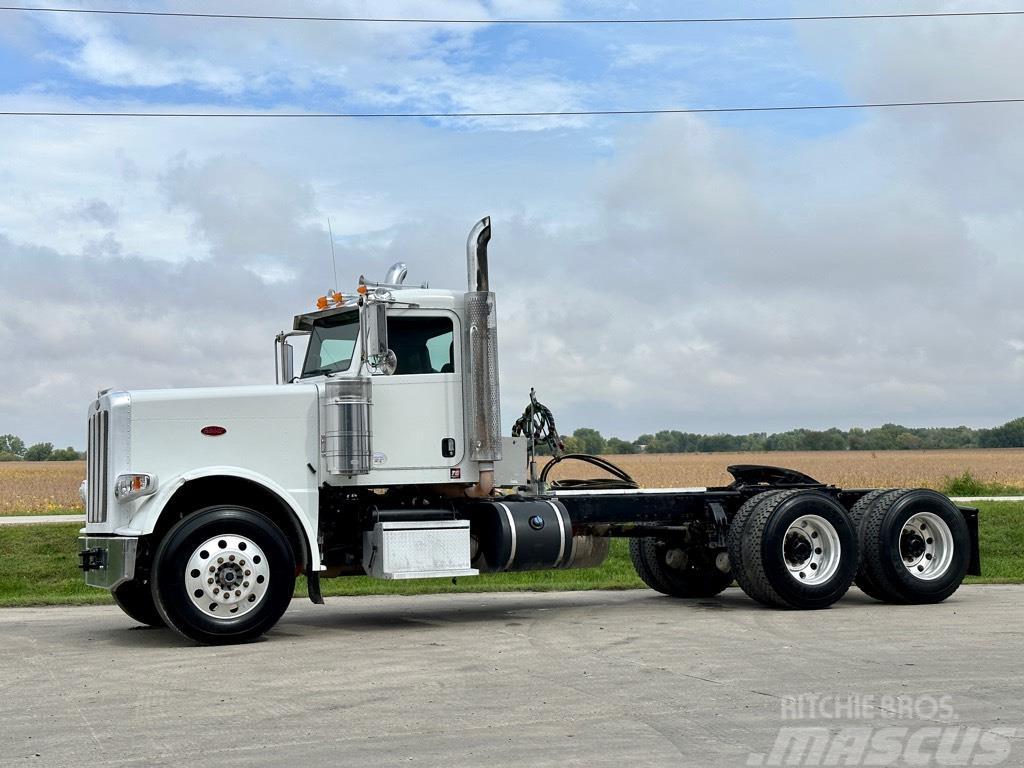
303,504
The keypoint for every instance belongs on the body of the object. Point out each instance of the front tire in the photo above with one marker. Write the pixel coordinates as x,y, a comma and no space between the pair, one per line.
136,600
223,575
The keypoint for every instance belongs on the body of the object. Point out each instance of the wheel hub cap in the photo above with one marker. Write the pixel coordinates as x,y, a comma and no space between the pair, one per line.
227,576
811,549
926,546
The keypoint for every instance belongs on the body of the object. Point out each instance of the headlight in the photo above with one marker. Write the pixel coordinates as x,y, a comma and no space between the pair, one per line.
132,486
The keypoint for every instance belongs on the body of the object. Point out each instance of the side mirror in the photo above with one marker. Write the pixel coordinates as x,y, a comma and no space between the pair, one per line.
287,356
379,358
376,330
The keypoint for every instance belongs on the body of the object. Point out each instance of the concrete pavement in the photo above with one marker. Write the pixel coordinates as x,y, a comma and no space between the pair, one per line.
574,678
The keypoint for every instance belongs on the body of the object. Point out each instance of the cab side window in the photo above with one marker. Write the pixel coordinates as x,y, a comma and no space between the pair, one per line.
422,344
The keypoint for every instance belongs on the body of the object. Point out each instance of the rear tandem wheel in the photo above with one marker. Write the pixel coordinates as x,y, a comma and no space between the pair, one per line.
915,546
794,549
673,571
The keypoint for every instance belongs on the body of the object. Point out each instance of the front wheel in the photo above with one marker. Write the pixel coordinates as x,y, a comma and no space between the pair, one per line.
223,575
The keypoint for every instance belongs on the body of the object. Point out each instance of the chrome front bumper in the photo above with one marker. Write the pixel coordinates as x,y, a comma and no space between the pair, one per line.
107,561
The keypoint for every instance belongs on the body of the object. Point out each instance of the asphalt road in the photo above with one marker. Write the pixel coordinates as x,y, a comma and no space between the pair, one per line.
580,678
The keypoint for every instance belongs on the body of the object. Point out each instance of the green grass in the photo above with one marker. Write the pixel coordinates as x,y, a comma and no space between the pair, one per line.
38,566
47,511
968,485
1001,530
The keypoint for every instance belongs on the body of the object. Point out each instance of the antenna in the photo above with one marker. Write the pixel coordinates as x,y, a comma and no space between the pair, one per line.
334,261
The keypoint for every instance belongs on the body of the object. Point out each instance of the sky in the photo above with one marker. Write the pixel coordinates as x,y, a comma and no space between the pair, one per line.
708,273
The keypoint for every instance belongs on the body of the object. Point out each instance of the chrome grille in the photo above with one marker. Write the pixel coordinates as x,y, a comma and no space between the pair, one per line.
96,467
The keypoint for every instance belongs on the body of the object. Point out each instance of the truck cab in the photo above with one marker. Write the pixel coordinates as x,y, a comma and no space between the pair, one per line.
418,427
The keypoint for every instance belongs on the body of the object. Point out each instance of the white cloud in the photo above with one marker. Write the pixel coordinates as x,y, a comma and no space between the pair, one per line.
666,273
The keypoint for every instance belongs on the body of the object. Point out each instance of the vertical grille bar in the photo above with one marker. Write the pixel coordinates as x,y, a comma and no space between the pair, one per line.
90,470
104,451
98,445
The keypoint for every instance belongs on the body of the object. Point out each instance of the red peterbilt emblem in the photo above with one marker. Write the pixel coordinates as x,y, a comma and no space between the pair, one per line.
213,431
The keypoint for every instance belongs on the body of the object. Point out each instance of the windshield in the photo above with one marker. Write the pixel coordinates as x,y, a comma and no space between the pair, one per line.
332,344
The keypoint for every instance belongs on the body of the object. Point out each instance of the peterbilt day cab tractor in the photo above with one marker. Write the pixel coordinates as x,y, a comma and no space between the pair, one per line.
384,456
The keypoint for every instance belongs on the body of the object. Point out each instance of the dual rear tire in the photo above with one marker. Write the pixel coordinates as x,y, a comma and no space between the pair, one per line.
802,549
787,549
793,549
670,568
915,546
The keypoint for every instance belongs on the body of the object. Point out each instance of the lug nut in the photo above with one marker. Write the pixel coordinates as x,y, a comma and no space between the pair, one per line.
216,590
245,583
209,581
238,593
231,557
220,559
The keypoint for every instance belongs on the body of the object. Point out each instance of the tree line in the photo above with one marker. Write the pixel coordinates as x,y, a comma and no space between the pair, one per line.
888,437
13,448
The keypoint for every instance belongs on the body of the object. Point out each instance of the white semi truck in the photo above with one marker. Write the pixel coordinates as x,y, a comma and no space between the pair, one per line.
384,456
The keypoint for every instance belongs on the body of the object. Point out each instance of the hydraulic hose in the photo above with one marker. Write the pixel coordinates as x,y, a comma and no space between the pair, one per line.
620,478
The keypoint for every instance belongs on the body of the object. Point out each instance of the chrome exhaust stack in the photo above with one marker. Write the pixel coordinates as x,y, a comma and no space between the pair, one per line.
480,381
476,255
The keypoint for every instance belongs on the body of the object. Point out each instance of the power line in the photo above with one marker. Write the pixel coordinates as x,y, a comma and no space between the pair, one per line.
393,20
561,113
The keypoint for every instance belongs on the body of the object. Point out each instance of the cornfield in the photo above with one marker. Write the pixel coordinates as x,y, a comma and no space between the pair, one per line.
42,487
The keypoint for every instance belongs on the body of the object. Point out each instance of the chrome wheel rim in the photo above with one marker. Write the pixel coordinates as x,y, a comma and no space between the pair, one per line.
926,546
811,549
227,576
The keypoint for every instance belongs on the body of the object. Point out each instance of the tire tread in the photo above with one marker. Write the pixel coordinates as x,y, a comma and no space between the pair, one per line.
858,514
